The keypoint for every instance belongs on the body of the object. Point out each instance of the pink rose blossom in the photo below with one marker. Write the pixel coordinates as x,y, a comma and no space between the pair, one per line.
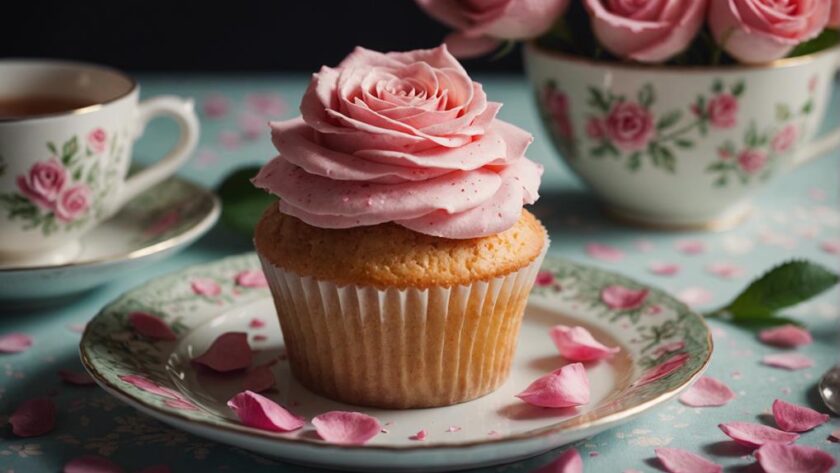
723,110
785,138
595,128
557,104
646,31
480,25
96,140
756,31
629,126
752,160
834,16
72,203
44,183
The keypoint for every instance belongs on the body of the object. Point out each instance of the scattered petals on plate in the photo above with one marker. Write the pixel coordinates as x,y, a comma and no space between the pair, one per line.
781,458
663,269
707,392
258,379
725,270
604,252
787,336
346,428
262,413
33,417
663,369
695,296
92,464
149,386
569,461
753,435
205,287
677,460
251,278
788,361
79,378
228,352
421,435
795,418
623,298
577,344
565,387
15,342
151,326
690,247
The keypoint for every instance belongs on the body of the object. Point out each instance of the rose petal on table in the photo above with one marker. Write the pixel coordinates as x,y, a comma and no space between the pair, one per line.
262,413
618,297
228,352
568,462
787,336
33,417
15,342
421,435
156,469
346,428
694,296
251,278
795,418
205,287
663,369
577,344
788,361
753,435
604,252
258,379
565,387
781,458
690,247
215,106
677,460
707,392
663,269
149,386
91,464
725,270
151,326
79,378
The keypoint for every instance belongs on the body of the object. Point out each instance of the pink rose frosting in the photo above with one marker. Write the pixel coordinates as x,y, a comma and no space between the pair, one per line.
401,137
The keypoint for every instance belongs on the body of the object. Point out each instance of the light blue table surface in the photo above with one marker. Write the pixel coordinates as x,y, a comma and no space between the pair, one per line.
794,216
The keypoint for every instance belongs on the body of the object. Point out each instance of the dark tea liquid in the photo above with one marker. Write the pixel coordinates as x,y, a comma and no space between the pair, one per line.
34,105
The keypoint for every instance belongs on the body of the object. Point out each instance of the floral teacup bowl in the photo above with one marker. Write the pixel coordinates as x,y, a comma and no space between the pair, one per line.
683,147
62,173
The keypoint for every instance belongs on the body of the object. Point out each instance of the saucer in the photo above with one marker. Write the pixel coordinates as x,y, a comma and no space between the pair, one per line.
158,222
664,348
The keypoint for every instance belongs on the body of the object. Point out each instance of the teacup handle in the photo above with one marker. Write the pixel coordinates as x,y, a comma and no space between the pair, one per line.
822,145
182,111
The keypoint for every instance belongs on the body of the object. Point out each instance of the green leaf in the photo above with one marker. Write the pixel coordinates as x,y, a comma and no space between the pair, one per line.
718,166
598,100
766,322
684,143
782,112
646,95
738,88
669,119
242,203
783,286
69,149
51,147
808,107
751,138
635,161
828,38
717,86
721,181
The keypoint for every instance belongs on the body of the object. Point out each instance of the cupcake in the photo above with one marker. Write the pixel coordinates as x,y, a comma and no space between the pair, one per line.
399,255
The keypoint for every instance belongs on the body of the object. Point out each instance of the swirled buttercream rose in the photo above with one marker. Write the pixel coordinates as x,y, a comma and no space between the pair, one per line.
404,137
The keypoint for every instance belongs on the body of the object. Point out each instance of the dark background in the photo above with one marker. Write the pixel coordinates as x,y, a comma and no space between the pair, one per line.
221,36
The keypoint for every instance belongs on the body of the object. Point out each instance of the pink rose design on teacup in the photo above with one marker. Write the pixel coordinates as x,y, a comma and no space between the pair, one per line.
72,203
557,104
43,183
785,138
723,110
752,160
595,128
96,140
629,126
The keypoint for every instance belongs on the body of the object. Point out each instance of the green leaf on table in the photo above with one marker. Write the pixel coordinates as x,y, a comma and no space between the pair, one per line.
242,203
784,286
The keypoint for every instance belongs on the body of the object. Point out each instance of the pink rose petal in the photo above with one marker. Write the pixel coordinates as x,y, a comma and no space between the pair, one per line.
568,462
781,458
663,369
92,464
694,296
604,252
79,378
346,428
149,386
259,379
755,435
251,278
228,352
15,342
794,418
181,403
33,417
205,287
788,361
725,270
677,460
707,392
262,413
565,387
663,269
151,326
544,278
216,106
622,298
421,435
577,344
787,336
256,323
690,247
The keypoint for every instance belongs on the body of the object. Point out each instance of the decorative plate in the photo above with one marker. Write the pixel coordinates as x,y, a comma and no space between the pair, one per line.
165,218
664,348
